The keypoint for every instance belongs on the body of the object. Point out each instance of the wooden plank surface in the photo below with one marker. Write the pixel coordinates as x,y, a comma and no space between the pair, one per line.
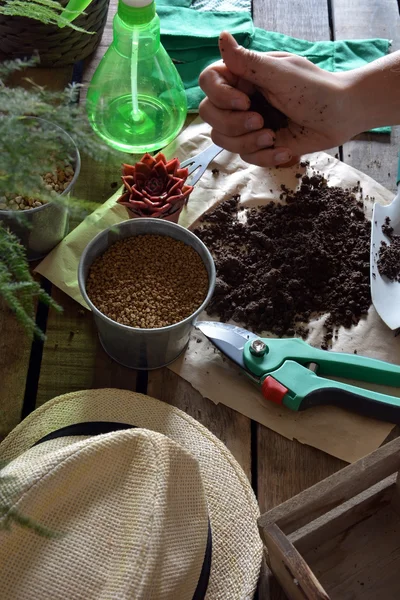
306,19
335,491
228,425
284,467
15,347
73,358
362,562
374,154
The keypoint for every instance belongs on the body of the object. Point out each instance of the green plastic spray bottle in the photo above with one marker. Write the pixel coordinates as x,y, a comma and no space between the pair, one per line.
136,101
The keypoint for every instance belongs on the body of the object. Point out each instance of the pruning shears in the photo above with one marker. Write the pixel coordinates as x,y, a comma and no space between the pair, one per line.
288,372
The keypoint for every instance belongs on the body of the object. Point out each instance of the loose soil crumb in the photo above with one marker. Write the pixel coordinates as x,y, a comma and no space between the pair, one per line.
273,118
148,281
389,254
286,263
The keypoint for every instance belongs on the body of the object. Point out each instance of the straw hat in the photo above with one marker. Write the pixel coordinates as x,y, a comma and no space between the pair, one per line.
138,509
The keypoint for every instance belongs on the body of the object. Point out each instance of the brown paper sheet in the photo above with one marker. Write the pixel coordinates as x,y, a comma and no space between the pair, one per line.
343,434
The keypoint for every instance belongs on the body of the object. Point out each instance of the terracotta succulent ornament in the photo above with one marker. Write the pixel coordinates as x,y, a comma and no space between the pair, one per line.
155,187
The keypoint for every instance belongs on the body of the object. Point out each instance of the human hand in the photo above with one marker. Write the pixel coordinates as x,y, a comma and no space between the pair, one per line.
315,102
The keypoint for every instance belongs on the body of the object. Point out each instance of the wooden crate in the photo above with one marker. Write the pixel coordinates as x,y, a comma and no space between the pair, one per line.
340,539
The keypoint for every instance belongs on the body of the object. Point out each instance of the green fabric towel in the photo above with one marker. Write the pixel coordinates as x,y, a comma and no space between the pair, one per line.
191,39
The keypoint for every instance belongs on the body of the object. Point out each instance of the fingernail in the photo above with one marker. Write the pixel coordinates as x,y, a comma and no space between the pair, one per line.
282,157
265,140
239,104
253,123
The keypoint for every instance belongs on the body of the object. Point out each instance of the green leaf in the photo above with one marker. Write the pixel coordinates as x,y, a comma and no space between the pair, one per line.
45,11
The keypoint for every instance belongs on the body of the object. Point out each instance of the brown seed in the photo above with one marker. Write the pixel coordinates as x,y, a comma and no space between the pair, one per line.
159,280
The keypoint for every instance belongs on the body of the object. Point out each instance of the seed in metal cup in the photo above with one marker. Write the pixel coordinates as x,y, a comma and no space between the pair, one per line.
44,226
146,281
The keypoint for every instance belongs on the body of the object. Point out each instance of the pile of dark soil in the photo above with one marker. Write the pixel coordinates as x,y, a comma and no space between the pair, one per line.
389,254
280,264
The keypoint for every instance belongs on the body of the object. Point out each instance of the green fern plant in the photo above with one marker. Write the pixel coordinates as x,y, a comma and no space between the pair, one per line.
20,173
17,287
45,11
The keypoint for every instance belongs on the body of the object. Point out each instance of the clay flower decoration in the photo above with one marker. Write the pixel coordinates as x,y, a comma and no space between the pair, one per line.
155,187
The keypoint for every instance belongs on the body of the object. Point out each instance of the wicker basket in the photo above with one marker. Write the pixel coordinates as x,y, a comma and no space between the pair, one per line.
21,37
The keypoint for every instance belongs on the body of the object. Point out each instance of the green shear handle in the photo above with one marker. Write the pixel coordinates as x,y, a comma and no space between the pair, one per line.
286,379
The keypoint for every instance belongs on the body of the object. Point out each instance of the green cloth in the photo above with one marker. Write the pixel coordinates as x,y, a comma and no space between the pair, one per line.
191,39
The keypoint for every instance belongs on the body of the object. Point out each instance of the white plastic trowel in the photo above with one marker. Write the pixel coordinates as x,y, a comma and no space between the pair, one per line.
385,293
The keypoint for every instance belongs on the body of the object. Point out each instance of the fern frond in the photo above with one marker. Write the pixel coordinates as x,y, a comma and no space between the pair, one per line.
26,153
17,287
46,11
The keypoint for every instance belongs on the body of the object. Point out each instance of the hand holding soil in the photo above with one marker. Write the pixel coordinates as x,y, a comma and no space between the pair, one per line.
323,109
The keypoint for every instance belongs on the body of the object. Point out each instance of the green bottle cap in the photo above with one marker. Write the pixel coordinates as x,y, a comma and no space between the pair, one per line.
136,12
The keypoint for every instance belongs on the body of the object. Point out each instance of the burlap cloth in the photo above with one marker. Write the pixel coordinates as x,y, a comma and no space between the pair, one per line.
338,432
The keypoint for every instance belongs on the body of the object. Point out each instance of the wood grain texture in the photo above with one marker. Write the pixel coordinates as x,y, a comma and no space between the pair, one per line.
230,427
73,358
374,154
284,467
333,491
354,553
345,517
15,347
306,19
345,529
294,574
363,562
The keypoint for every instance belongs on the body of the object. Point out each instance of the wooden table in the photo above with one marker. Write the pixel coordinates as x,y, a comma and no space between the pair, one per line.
72,358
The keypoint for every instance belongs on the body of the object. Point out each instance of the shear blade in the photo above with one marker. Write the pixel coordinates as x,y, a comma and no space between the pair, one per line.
229,339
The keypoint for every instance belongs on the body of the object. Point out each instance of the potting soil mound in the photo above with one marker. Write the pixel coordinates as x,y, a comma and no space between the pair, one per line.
389,254
281,264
